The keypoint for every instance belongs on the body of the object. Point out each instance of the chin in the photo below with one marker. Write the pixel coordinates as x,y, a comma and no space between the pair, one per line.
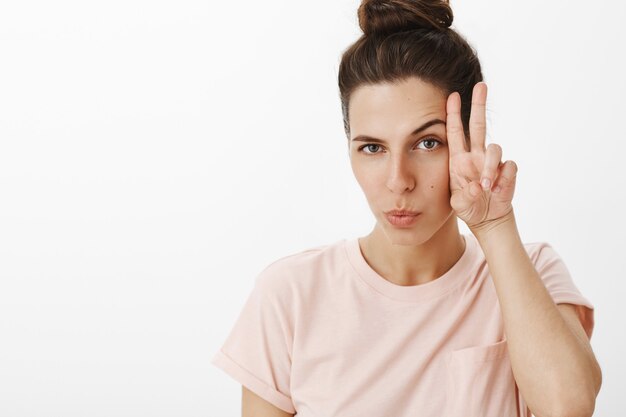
413,236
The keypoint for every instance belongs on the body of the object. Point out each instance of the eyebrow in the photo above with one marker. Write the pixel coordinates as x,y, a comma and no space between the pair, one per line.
365,138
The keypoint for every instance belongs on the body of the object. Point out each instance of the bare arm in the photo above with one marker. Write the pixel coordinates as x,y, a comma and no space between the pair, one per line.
552,360
254,406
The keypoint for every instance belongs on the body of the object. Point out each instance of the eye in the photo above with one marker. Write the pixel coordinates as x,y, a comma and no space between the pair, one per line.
368,146
432,143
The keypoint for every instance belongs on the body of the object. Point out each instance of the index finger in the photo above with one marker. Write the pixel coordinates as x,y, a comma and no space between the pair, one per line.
454,125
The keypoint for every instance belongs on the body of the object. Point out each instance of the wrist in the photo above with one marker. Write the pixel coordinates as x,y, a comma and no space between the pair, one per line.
492,227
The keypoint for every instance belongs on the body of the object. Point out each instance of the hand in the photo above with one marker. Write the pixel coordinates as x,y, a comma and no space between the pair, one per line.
478,207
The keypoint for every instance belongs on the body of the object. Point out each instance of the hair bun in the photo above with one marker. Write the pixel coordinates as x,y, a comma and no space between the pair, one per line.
388,16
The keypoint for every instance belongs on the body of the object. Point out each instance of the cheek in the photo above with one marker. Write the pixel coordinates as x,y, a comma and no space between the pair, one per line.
438,179
366,173
438,188
365,179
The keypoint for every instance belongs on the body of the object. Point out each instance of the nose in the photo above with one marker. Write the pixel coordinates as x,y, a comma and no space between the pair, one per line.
400,176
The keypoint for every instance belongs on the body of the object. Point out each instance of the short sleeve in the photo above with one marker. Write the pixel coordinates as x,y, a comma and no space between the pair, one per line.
559,283
257,352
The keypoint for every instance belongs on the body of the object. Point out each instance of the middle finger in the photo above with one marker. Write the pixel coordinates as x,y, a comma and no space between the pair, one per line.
477,122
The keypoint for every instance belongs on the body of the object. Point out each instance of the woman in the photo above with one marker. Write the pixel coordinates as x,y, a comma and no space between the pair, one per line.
416,319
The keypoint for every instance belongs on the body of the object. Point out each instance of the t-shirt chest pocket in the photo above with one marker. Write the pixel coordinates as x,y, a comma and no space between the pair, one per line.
480,382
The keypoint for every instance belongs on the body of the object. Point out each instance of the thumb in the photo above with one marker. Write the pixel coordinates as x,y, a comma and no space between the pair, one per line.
465,200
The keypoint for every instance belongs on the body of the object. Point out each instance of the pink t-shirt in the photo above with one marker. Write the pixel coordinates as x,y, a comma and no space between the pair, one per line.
324,335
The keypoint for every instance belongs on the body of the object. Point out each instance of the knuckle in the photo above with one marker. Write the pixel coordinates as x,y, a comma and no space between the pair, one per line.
478,123
495,147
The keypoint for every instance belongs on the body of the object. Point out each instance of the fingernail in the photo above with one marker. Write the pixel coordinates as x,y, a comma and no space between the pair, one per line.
486,183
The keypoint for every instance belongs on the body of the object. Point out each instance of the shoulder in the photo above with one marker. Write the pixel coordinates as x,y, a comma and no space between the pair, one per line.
542,255
541,252
535,247
290,270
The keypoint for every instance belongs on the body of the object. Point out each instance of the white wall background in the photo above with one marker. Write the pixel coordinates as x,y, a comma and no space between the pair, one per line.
156,155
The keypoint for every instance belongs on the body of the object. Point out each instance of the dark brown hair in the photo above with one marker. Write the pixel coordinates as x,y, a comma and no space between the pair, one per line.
409,38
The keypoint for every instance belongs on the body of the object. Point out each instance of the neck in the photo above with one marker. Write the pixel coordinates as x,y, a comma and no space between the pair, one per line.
415,262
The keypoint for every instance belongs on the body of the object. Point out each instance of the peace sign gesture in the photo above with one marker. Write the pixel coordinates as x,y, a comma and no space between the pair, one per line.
477,205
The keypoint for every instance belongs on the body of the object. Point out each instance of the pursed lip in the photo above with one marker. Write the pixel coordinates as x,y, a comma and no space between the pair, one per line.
402,213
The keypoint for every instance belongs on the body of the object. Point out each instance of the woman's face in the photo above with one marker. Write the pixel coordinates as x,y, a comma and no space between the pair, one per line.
402,170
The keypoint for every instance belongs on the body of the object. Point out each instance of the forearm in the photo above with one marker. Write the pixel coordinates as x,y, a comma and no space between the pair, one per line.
553,370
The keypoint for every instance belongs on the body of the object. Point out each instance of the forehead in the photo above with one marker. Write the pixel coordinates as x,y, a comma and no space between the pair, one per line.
396,106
